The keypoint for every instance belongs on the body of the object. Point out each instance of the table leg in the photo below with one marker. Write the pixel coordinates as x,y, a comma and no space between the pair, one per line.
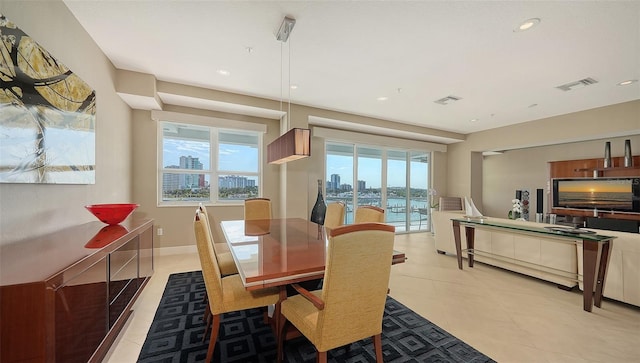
456,237
275,320
470,232
591,253
605,255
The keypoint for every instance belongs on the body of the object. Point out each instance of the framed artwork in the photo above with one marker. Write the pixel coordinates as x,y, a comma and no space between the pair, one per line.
47,115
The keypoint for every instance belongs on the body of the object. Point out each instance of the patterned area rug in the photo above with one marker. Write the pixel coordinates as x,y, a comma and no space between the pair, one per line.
176,334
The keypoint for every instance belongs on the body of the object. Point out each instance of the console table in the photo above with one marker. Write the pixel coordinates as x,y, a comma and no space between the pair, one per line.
66,295
595,249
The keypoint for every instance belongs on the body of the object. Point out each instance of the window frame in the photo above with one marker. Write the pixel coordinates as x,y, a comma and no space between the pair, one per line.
215,127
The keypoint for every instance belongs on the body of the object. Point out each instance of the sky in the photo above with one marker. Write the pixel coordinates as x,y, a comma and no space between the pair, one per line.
232,157
369,170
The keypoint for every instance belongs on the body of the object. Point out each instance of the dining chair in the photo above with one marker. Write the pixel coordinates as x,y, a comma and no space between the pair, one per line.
369,214
225,294
450,203
335,215
220,250
350,305
257,208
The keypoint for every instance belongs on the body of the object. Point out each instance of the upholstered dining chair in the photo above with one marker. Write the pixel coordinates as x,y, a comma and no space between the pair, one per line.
335,215
221,250
257,208
350,306
225,294
369,214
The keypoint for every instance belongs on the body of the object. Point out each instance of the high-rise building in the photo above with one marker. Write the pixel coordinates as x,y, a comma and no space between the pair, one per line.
191,180
170,181
362,185
234,181
335,181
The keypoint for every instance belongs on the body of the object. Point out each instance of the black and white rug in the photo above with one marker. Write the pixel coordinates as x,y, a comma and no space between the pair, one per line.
176,334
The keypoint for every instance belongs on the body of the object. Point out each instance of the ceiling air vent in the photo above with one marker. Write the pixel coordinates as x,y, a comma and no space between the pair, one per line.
447,100
577,84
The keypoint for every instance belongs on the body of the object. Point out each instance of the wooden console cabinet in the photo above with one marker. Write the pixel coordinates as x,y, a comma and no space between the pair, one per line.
66,295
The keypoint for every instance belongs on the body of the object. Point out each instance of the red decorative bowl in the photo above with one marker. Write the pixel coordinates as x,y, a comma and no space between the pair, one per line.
111,214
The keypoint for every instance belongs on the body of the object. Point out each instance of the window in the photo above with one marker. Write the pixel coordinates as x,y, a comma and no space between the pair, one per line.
208,164
388,178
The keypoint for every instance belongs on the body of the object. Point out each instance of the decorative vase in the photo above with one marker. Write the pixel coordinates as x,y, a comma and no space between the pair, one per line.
628,158
607,154
320,208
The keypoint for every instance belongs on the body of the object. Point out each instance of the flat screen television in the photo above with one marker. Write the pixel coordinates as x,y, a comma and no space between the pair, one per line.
608,194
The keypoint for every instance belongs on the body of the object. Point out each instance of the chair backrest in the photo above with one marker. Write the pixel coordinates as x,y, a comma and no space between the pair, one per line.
335,215
210,268
356,281
257,208
450,203
205,215
369,214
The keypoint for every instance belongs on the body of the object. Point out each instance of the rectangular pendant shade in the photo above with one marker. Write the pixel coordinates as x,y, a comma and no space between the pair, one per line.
293,145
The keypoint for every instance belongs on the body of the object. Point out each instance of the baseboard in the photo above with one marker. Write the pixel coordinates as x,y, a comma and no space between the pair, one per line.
178,250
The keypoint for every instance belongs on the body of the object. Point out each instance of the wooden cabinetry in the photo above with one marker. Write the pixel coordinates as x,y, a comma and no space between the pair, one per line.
590,168
65,296
585,168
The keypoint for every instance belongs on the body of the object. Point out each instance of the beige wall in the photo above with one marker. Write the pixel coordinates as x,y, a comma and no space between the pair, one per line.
28,210
176,221
526,167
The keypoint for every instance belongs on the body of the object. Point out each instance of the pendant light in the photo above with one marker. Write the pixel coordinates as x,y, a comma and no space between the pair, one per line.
296,143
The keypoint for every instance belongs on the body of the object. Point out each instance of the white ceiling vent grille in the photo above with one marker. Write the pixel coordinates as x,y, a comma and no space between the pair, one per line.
577,84
447,100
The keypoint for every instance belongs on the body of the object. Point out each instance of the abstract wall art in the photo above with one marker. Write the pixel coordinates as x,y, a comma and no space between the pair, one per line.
47,115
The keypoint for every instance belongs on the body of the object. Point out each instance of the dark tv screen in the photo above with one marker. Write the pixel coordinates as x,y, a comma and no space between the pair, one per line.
615,194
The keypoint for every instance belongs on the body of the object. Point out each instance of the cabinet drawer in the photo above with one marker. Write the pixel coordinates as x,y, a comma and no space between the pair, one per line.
121,300
80,306
123,268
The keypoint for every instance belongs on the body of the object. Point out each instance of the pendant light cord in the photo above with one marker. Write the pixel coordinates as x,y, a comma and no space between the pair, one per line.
281,82
289,76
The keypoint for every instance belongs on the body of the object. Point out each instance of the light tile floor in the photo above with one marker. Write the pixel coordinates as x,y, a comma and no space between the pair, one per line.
507,316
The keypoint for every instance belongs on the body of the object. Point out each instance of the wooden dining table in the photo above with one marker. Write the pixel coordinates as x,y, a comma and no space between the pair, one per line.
279,252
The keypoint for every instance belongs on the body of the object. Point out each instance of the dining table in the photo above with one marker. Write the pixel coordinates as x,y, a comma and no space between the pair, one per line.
279,251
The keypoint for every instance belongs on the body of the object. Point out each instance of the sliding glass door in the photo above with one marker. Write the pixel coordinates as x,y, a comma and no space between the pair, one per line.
420,213
339,177
396,180
396,211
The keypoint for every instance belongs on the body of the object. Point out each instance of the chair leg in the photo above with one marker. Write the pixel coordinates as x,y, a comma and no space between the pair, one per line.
321,357
377,346
207,324
207,311
214,336
281,333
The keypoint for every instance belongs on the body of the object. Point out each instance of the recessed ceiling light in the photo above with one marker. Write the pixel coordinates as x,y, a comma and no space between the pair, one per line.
527,24
383,98
294,86
627,82
223,72
473,120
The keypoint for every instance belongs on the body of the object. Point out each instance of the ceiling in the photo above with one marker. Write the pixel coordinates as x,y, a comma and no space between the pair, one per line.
345,55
